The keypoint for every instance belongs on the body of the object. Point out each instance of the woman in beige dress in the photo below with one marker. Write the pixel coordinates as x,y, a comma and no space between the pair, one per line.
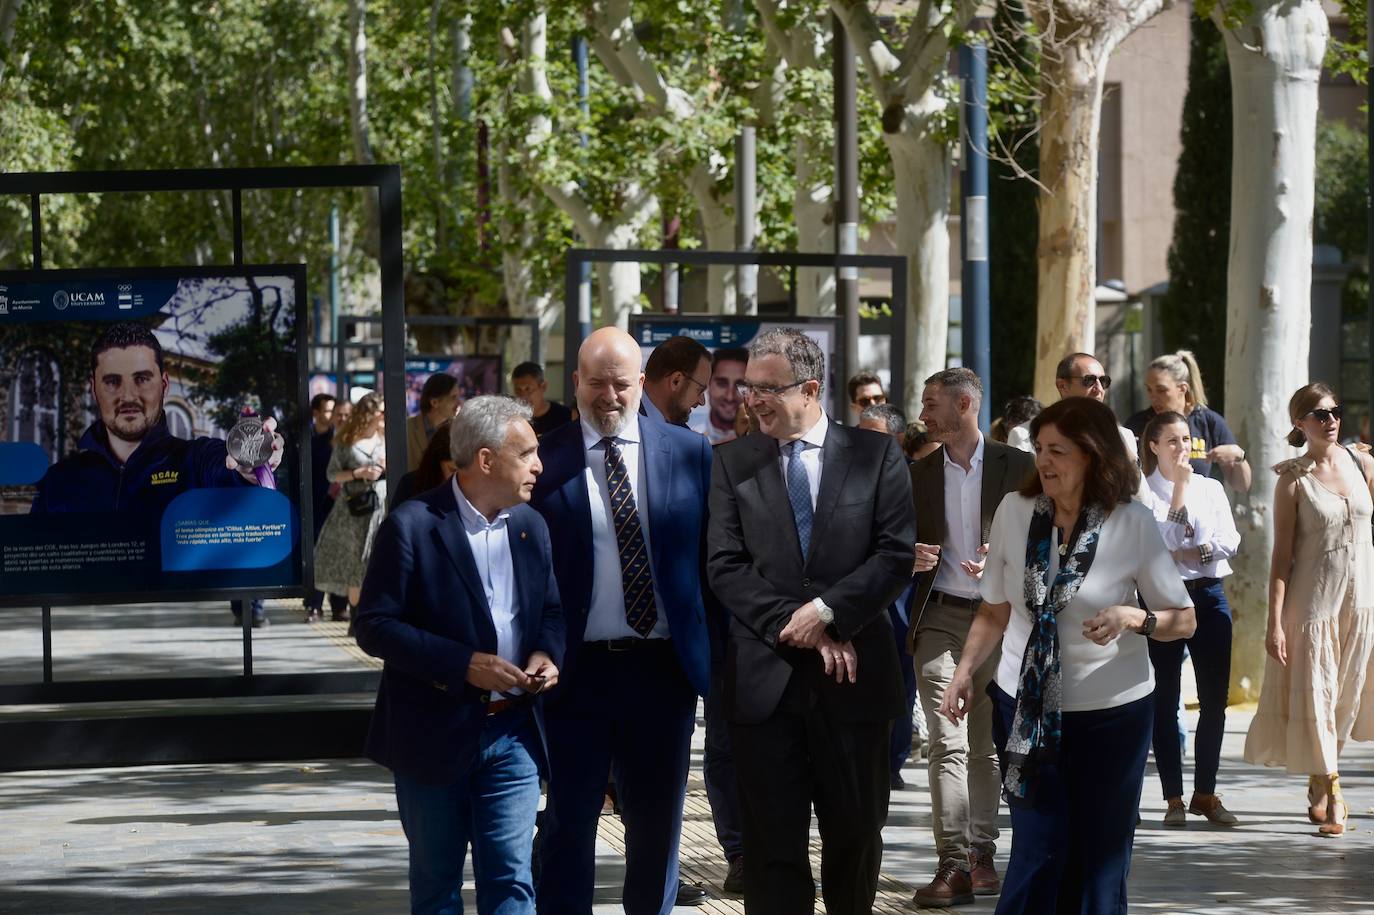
1318,691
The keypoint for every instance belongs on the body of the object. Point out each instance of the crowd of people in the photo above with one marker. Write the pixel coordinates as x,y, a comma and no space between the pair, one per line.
554,588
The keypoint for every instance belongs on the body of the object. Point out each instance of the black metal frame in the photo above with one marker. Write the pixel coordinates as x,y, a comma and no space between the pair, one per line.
576,327
386,179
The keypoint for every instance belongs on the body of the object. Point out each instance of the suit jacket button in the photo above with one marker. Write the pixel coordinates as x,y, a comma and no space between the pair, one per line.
485,697
806,582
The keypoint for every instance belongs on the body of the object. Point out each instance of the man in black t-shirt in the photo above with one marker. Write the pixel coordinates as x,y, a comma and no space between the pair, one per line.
528,384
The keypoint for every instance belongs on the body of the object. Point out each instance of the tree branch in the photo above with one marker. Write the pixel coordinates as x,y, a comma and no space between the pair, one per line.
614,37
866,38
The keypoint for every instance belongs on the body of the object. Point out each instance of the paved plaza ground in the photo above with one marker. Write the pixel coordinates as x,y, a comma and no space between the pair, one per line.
323,836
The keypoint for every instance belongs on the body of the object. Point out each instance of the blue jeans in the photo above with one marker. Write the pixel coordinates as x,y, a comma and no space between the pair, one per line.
1210,648
492,809
1071,845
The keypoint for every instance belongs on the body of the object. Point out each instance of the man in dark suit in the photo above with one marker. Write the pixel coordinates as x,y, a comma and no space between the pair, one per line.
625,499
808,544
957,488
461,604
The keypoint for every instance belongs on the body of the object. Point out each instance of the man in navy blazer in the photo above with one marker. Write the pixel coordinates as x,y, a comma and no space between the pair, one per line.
460,602
624,496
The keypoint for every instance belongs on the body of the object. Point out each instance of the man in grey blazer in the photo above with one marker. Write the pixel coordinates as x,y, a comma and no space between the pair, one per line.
956,490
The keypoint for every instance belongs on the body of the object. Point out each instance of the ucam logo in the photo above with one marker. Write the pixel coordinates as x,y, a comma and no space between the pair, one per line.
88,298
60,300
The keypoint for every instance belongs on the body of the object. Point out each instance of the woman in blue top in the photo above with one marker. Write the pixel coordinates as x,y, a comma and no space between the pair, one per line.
1174,382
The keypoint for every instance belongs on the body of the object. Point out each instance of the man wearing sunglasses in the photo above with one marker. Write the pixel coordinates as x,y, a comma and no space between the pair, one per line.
865,390
1081,375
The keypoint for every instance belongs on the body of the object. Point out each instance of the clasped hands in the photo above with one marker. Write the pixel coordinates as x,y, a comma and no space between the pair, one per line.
805,630
495,674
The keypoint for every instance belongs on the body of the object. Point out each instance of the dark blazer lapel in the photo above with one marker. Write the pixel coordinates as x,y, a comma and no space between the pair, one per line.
772,491
454,541
575,492
656,485
529,579
834,471
931,524
994,486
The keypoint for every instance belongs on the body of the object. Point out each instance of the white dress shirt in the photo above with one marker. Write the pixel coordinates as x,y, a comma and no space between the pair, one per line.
963,524
1130,557
1204,522
810,457
606,616
490,543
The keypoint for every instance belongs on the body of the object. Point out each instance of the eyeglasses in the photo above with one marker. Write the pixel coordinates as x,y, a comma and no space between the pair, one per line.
701,384
871,400
1091,380
764,391
1324,415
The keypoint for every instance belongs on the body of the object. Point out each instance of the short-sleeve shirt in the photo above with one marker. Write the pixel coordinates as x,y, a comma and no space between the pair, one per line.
1130,556
1206,426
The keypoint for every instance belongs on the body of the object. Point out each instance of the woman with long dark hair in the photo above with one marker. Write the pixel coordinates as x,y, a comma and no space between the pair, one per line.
436,466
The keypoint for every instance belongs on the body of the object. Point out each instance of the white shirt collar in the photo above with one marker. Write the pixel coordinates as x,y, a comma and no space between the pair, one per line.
474,520
973,461
591,437
815,436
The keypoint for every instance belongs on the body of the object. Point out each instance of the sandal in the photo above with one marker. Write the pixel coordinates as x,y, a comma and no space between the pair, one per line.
1316,798
1336,811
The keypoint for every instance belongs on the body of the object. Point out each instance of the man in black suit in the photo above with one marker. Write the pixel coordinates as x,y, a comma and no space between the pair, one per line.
809,540
957,488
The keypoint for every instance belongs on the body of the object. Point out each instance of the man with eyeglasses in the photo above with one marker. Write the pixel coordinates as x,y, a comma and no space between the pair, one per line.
1081,375
675,380
810,538
865,390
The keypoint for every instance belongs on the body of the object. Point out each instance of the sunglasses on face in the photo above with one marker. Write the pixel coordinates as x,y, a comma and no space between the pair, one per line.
1324,415
1089,381
870,401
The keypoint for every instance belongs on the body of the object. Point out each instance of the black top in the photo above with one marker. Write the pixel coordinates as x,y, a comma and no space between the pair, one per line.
556,416
1208,429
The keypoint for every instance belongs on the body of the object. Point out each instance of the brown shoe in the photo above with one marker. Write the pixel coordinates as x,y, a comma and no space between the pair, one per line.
951,886
1209,806
983,873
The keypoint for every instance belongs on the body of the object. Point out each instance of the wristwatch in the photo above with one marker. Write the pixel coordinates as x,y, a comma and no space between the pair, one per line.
1147,628
823,611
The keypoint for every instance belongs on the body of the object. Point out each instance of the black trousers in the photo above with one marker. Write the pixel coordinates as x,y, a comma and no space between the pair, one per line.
798,756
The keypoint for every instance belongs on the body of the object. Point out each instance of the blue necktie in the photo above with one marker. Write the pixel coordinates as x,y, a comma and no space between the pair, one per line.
636,577
799,494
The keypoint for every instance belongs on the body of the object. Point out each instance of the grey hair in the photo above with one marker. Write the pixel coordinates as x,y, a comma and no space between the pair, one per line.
803,355
484,422
887,414
960,381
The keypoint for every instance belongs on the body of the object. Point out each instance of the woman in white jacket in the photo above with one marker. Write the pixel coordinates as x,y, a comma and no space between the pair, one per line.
1195,520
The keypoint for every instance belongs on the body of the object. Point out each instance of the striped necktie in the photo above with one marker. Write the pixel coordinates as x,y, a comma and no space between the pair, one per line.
636,576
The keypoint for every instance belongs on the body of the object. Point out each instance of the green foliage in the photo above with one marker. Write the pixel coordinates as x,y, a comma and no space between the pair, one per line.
1342,188
1193,312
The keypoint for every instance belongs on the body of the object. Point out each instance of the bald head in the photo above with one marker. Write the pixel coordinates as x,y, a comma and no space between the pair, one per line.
608,379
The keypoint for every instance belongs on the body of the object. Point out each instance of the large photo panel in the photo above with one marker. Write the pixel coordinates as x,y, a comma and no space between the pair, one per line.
123,395
726,339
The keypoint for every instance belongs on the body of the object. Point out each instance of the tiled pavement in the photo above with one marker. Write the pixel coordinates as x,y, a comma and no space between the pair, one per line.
323,837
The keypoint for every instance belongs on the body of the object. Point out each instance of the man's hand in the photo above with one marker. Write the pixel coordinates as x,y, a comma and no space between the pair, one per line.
804,629
974,569
927,557
540,665
494,673
839,658
278,446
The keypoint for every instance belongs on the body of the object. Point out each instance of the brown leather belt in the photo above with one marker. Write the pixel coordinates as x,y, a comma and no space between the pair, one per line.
497,706
954,600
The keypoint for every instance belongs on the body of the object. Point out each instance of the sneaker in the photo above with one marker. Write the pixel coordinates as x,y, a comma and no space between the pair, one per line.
1209,806
313,615
951,886
1176,817
983,873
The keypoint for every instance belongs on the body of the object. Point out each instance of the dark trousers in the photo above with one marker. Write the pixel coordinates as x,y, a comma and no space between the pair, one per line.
718,771
630,715
1210,648
798,757
1071,845
903,727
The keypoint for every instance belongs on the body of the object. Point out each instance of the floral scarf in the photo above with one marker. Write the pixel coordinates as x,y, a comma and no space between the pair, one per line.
1034,738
